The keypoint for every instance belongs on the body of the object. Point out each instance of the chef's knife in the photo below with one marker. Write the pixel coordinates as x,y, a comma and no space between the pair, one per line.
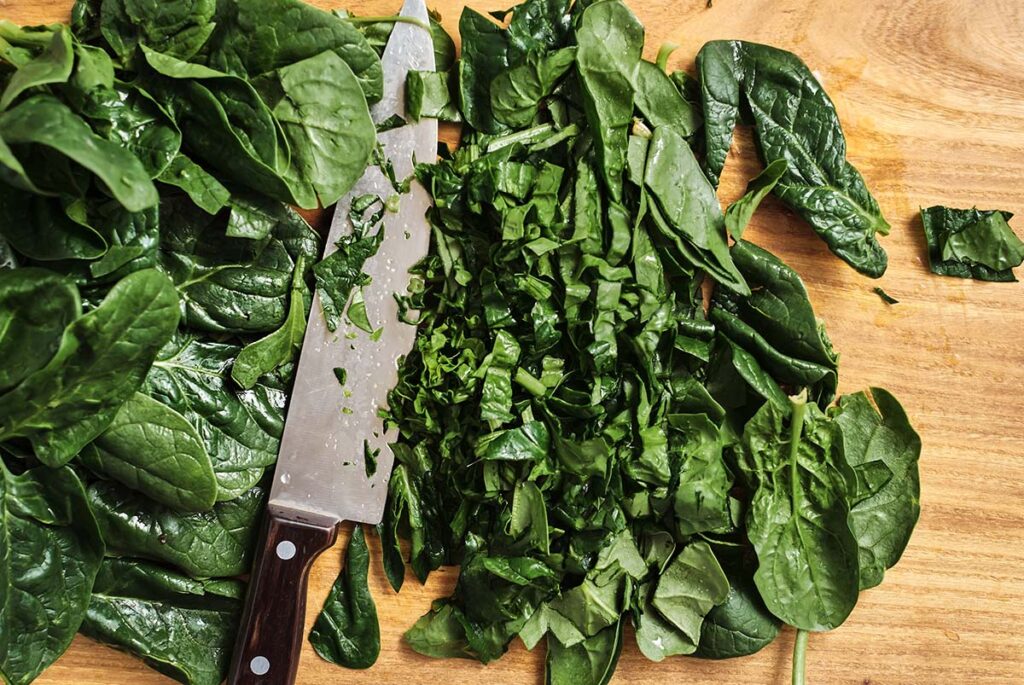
321,479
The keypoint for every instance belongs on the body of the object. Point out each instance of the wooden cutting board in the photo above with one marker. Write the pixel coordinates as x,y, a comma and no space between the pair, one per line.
931,96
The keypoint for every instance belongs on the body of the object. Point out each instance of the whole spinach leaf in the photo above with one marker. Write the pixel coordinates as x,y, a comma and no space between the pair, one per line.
45,121
691,216
877,438
347,632
241,430
971,243
36,306
39,228
254,37
321,109
797,522
796,121
50,552
232,285
183,628
516,94
176,28
151,448
53,65
203,544
102,360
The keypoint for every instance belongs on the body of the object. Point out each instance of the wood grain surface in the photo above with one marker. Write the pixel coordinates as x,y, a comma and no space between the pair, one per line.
931,96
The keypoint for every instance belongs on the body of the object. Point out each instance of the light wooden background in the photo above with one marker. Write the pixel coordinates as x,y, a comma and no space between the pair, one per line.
931,95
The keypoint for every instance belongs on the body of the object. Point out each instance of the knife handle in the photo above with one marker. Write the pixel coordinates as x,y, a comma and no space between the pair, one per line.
272,626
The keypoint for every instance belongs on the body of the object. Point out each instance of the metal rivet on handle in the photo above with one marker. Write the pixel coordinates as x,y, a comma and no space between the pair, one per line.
259,665
285,550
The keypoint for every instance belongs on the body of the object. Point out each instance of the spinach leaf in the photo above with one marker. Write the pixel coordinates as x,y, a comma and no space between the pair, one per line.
489,50
241,430
203,544
53,65
342,270
102,360
431,95
35,307
202,187
281,346
321,109
181,627
50,552
741,625
798,519
151,448
776,324
883,510
738,214
347,632
516,94
591,662
254,37
176,28
232,285
45,121
794,120
971,243
688,588
439,633
39,228
689,213
701,500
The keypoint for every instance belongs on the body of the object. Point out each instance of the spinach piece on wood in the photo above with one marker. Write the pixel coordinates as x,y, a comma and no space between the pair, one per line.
794,120
798,519
101,361
971,243
181,627
36,306
882,449
738,214
50,552
153,449
347,632
241,430
203,544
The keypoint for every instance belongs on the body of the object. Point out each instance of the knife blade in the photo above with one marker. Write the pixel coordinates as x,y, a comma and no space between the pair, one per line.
321,477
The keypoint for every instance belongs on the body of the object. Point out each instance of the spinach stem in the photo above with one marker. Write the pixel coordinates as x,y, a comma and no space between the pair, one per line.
530,383
394,20
800,657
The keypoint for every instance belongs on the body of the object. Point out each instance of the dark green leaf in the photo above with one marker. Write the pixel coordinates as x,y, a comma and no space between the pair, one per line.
738,214
971,243
102,360
347,632
151,448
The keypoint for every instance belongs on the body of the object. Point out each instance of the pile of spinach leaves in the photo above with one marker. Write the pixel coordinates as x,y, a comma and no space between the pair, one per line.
154,282
588,440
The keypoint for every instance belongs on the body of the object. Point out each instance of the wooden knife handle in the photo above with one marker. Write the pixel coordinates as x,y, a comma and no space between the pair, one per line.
270,633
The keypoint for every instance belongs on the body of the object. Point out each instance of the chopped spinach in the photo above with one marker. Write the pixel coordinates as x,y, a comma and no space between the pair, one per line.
971,243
